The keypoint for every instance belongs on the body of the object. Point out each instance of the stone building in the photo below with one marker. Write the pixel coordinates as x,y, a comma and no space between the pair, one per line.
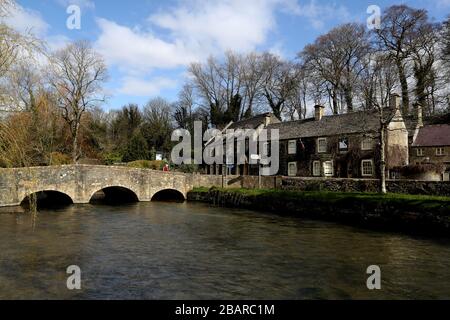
342,146
431,145
256,123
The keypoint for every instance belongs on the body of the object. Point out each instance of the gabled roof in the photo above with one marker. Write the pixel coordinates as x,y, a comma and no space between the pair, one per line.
433,136
350,123
254,122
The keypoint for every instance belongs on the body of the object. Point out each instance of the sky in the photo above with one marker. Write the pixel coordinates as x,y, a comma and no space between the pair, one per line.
148,44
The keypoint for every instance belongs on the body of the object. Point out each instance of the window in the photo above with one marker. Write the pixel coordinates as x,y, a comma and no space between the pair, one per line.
322,145
440,151
328,170
292,169
367,168
265,149
367,144
316,169
292,147
343,145
420,152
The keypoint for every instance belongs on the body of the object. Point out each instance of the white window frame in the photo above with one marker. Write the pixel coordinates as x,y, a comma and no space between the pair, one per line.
292,150
364,142
265,150
317,171
339,145
440,152
325,169
325,148
290,174
372,166
420,152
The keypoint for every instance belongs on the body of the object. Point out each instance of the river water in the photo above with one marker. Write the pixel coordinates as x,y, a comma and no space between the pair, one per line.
193,251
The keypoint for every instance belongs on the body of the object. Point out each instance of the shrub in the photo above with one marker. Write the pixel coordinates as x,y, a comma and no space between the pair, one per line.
416,169
147,164
188,168
112,158
59,159
137,148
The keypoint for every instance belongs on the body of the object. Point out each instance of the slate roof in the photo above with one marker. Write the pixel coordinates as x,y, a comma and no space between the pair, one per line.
255,122
350,123
433,136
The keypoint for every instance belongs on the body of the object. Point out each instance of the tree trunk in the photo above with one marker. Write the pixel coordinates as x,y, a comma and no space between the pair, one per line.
348,99
404,85
75,143
335,102
420,75
383,189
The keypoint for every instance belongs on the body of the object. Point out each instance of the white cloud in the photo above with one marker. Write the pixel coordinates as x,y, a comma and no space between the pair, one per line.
191,30
140,87
89,4
57,42
213,26
318,14
443,3
132,50
25,20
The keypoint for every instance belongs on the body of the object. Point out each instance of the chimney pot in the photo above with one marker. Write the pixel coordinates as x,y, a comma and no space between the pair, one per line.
419,115
319,112
395,101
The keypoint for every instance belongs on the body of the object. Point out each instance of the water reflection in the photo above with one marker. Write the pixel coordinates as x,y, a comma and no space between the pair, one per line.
192,251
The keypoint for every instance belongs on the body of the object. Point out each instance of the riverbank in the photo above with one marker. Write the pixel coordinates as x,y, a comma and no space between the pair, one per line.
410,213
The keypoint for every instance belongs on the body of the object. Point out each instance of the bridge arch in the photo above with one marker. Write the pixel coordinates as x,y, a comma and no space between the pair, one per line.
171,195
46,199
114,194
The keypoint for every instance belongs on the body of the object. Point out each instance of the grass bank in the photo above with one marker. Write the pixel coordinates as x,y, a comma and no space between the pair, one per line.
415,213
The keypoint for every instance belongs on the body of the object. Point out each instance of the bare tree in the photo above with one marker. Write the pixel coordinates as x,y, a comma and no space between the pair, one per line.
424,58
400,27
253,78
77,75
280,82
24,84
157,127
336,58
184,108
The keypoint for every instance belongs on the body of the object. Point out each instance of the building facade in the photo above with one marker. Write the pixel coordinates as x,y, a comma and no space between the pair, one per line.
342,146
431,145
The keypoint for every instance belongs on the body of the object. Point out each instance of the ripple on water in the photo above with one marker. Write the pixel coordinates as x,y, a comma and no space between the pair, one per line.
193,251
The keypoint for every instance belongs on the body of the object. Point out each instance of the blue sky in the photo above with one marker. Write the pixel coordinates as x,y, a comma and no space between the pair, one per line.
148,43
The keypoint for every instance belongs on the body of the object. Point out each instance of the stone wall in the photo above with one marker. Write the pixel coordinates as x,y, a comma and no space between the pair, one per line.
431,188
81,182
378,213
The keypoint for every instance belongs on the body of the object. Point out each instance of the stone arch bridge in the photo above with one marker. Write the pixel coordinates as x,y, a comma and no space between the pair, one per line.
81,182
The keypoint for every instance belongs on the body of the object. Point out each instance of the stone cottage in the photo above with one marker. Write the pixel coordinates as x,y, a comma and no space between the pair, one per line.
431,146
342,146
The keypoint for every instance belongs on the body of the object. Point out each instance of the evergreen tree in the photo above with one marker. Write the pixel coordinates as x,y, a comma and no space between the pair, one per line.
137,148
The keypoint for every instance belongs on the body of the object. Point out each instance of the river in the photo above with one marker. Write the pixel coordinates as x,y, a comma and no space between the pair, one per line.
193,251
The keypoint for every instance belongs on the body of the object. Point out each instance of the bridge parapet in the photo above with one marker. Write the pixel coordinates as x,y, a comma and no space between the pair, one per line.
81,182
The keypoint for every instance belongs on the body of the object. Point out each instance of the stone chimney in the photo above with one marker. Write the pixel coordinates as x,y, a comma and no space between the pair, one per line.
419,115
267,119
395,101
320,112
